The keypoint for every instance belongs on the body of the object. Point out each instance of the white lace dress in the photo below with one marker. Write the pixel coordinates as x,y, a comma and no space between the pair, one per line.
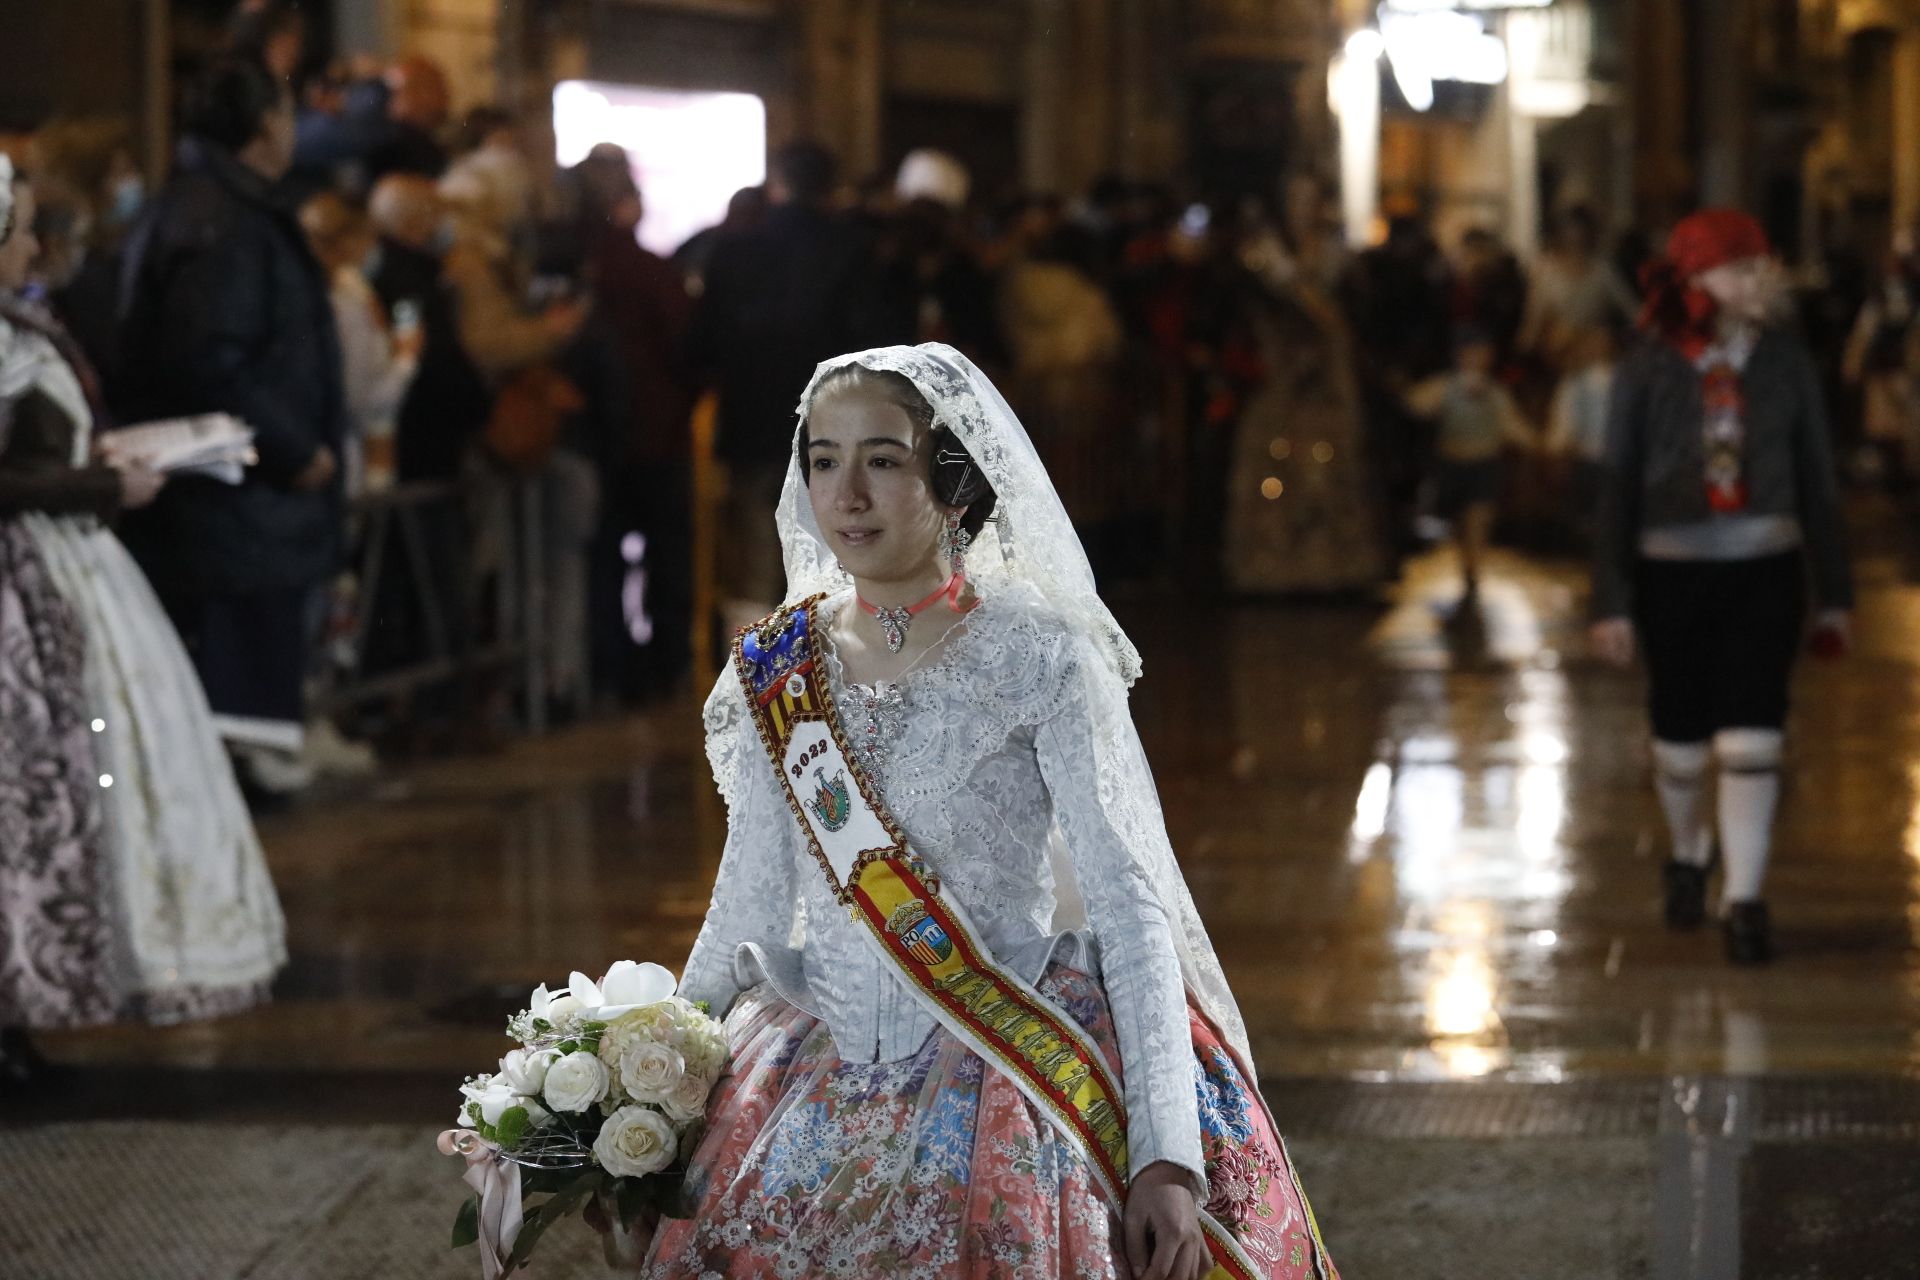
198,931
854,1134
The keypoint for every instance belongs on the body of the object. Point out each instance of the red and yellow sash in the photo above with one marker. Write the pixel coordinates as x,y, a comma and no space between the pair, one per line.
927,936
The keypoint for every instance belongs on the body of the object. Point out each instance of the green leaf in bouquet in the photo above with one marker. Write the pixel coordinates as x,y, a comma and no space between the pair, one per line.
513,1125
567,1200
542,1025
704,1007
466,1226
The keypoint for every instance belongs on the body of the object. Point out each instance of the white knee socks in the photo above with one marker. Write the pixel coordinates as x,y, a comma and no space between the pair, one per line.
1680,770
1749,794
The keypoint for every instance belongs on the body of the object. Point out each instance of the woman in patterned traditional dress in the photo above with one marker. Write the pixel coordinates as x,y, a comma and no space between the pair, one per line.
54,929
855,1133
195,926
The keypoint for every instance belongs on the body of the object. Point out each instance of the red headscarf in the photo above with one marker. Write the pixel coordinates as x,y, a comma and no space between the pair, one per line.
1675,309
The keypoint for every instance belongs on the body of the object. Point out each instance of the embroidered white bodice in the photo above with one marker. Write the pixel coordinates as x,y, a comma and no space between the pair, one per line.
984,758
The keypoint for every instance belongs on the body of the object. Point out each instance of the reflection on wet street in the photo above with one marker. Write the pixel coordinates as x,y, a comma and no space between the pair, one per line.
1420,833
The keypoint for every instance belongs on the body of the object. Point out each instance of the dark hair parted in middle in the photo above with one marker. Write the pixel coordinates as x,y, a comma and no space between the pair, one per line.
957,478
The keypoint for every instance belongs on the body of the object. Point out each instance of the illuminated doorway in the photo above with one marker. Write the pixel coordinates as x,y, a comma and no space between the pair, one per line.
690,151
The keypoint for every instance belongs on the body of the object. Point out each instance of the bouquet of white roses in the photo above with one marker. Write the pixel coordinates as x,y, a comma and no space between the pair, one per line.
602,1102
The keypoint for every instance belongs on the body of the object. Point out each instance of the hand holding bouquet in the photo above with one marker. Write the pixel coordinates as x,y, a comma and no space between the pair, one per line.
603,1102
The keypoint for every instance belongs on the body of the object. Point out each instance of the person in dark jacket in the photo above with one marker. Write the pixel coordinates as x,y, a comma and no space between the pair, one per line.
642,565
1718,492
796,289
225,309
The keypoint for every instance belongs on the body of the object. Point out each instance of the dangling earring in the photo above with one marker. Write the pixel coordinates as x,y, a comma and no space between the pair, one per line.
954,543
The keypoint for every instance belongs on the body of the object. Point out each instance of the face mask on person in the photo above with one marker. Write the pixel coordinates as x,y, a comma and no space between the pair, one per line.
129,196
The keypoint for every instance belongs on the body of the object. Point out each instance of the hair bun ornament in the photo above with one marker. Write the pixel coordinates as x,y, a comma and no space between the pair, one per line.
6,197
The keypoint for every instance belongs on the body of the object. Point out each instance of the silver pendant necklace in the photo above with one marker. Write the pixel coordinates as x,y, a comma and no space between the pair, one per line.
895,619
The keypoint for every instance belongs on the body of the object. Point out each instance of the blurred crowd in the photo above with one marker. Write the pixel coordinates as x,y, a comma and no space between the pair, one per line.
417,312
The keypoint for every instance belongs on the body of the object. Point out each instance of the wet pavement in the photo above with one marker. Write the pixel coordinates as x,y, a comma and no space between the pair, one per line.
1423,837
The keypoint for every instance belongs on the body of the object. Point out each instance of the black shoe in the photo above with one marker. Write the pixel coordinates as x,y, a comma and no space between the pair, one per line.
1686,895
1748,933
24,1072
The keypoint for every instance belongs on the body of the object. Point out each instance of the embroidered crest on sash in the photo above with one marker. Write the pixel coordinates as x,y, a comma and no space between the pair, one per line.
831,803
925,940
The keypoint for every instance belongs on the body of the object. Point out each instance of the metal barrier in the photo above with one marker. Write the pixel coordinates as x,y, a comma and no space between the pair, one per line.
408,526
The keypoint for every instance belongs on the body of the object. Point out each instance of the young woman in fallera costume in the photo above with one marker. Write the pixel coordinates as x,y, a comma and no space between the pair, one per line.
1719,491
977,1026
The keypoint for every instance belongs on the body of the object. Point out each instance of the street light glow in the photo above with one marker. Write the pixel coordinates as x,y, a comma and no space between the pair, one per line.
1440,44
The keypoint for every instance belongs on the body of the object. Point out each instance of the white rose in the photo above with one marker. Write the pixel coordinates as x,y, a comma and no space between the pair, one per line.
649,1070
687,1100
576,1082
635,1142
526,1069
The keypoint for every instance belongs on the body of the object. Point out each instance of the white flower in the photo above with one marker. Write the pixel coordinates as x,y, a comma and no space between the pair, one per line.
626,986
649,1070
687,1100
705,1049
494,1096
526,1070
635,1142
552,1006
576,1082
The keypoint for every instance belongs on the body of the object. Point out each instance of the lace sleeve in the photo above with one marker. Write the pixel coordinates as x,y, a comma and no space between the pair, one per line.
754,894
1138,961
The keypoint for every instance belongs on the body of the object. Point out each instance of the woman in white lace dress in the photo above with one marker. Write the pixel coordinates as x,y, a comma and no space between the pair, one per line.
855,1134
196,930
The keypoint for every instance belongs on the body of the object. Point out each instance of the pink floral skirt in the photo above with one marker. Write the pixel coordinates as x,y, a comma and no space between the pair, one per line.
931,1166
937,1168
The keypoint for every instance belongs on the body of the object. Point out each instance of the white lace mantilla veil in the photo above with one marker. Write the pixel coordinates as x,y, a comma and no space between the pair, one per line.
1035,547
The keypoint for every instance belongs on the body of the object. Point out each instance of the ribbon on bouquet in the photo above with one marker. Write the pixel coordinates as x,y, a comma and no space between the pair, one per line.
496,1180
